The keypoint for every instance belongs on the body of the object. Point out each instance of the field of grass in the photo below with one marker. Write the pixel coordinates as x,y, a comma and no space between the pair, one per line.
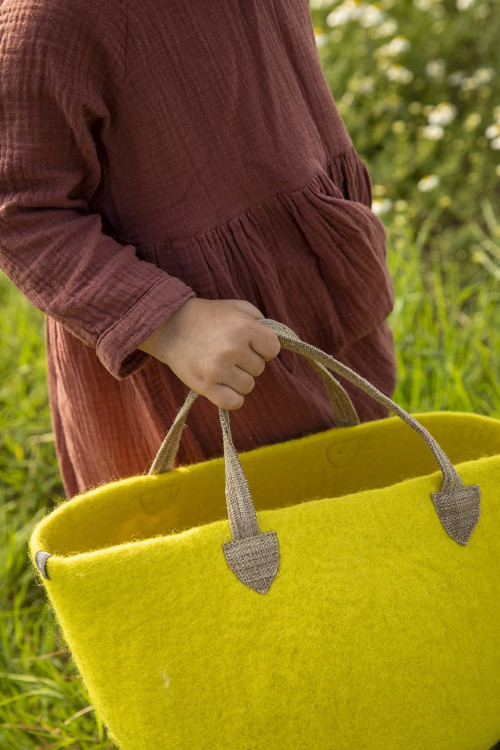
437,193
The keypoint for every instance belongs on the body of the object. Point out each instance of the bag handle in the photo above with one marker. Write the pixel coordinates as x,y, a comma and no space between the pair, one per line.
343,409
342,406
254,556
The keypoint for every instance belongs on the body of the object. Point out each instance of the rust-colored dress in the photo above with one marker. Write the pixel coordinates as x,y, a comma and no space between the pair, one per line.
156,150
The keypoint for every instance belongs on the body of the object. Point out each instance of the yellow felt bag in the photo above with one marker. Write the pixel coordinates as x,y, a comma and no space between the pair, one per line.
357,607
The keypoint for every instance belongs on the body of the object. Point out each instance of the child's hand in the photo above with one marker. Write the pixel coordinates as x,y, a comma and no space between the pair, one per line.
216,347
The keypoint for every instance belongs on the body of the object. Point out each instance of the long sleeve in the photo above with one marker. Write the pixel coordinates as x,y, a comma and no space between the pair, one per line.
61,69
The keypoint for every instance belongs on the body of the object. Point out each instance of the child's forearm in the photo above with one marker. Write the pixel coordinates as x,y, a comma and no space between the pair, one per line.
52,246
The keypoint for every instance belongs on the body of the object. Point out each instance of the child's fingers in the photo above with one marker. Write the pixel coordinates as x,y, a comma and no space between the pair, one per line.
239,380
265,342
252,363
225,397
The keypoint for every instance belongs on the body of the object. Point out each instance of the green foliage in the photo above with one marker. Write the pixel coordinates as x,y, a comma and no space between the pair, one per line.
417,85
439,202
446,325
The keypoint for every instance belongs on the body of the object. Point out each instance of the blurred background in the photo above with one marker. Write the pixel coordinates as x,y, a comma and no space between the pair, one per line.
417,84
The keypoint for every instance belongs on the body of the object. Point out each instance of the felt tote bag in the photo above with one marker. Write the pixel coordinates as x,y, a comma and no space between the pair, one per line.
336,591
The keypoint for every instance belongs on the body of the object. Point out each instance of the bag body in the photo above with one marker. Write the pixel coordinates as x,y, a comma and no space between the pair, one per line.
369,615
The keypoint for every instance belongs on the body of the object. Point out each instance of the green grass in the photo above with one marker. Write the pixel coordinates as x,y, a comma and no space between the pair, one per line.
42,705
444,256
446,323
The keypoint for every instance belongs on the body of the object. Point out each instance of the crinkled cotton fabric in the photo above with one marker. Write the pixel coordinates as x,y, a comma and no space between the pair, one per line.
156,151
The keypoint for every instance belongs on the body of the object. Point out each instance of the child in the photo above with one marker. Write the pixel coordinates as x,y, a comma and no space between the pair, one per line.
170,173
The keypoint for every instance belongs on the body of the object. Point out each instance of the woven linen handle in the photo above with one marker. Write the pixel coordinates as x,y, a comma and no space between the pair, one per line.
254,556
343,409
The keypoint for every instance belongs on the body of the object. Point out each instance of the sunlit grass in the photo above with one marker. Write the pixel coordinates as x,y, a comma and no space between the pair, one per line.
42,705
446,323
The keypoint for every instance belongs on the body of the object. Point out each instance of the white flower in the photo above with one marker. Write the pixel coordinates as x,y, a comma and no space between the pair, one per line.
399,73
484,75
347,99
397,45
495,144
388,28
353,10
348,11
429,182
435,68
493,131
381,205
367,85
443,114
338,17
423,4
469,84
371,16
464,4
456,78
321,39
432,132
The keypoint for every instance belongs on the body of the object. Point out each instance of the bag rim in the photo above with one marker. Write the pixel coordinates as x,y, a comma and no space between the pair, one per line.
92,494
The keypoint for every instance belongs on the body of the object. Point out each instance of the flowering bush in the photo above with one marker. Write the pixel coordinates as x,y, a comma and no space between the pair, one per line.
417,85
